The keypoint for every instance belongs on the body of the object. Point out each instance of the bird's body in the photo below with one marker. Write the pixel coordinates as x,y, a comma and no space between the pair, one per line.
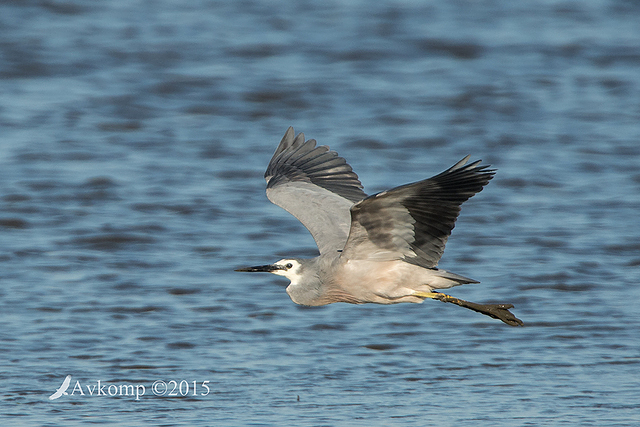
337,279
380,249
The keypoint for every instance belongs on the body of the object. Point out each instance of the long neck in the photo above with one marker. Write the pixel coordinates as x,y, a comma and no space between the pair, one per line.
315,289
306,287
305,294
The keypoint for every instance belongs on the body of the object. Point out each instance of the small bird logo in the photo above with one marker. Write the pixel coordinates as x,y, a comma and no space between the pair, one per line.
63,388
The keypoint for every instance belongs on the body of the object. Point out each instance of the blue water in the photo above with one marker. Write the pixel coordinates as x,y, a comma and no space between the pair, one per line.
133,140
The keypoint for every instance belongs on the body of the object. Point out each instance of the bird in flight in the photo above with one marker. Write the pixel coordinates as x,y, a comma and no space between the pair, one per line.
382,248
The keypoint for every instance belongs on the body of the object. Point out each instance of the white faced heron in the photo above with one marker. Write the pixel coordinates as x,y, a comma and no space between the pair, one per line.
382,248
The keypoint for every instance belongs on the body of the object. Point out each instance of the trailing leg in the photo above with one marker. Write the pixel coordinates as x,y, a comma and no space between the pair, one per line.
497,311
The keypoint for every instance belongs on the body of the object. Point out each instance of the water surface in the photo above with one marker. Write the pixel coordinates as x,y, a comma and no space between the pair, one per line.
133,140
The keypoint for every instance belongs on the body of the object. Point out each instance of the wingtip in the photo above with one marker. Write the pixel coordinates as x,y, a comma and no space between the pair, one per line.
290,139
461,163
288,136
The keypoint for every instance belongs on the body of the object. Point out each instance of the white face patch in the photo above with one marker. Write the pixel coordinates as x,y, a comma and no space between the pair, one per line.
292,270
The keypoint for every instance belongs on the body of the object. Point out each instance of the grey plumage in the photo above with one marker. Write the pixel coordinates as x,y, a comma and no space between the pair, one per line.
316,186
382,248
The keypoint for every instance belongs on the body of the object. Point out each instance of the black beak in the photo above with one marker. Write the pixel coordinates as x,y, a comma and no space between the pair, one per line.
261,268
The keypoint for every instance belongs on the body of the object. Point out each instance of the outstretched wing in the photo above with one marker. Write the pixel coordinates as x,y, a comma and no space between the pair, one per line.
414,221
316,186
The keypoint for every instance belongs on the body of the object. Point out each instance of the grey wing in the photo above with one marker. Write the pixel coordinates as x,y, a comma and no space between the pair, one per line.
316,186
414,221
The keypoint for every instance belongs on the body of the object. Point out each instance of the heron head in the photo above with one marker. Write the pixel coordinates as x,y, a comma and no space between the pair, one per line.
289,268
304,286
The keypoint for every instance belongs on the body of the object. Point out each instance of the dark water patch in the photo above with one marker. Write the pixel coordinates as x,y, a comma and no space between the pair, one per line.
257,237
181,345
16,223
64,8
455,49
29,253
34,156
122,126
18,198
183,291
615,86
393,119
619,249
550,277
214,150
263,315
49,309
369,144
107,277
380,347
633,263
591,167
634,361
80,156
183,85
261,331
327,327
137,310
256,51
210,309
567,337
547,243
44,185
482,99
112,241
239,174
149,338
99,182
278,99
409,332
138,264
513,182
468,259
617,55
207,250
55,267
206,110
506,141
97,189
25,60
85,356
148,207
126,286
358,55
161,57
182,209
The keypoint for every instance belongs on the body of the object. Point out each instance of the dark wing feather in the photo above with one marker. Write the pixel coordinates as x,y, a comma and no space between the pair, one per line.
414,221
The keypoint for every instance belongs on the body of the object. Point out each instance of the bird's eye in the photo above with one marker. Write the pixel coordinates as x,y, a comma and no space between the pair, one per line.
289,265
